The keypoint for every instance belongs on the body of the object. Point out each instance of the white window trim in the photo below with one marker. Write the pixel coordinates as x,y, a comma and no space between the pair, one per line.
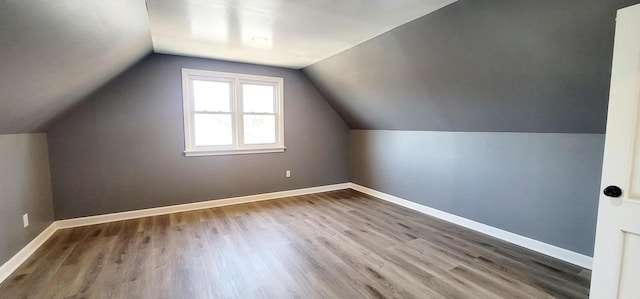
238,147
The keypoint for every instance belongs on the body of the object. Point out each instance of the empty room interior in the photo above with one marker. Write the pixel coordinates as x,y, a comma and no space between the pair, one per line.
312,149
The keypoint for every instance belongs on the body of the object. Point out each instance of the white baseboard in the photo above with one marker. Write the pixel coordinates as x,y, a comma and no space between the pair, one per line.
572,257
91,220
535,245
12,264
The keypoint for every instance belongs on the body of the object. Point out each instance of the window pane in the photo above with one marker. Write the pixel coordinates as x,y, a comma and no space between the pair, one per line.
213,129
212,96
258,98
259,129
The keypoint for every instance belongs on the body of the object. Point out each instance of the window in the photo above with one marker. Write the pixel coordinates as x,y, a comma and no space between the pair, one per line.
227,113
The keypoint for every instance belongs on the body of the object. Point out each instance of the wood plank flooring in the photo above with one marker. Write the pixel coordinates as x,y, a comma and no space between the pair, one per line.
341,244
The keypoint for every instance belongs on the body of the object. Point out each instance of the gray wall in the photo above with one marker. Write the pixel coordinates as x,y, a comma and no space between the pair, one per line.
485,66
481,66
25,187
539,185
54,53
121,149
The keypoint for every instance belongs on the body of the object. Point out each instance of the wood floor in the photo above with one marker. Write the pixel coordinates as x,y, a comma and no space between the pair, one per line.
341,244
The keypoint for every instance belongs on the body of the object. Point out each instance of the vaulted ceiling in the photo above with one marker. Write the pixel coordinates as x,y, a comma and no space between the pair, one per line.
474,65
285,33
481,66
55,53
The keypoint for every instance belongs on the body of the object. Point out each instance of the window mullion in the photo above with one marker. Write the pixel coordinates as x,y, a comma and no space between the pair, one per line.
192,118
239,116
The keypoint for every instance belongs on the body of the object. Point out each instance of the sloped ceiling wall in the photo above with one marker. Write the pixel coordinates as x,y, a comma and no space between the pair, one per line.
53,53
520,66
481,65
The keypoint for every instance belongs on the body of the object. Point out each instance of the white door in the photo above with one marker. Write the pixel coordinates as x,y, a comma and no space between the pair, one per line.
616,263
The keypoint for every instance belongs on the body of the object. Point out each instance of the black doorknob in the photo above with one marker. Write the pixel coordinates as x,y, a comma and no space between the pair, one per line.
612,191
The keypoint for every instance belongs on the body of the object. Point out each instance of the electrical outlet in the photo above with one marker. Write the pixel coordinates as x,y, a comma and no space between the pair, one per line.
288,173
25,220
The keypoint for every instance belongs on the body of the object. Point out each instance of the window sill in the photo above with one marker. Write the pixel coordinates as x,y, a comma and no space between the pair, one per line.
195,153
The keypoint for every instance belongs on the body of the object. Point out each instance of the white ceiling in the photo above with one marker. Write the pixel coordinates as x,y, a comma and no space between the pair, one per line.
299,32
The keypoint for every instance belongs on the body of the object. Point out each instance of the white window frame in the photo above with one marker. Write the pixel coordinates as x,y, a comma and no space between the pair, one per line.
237,114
